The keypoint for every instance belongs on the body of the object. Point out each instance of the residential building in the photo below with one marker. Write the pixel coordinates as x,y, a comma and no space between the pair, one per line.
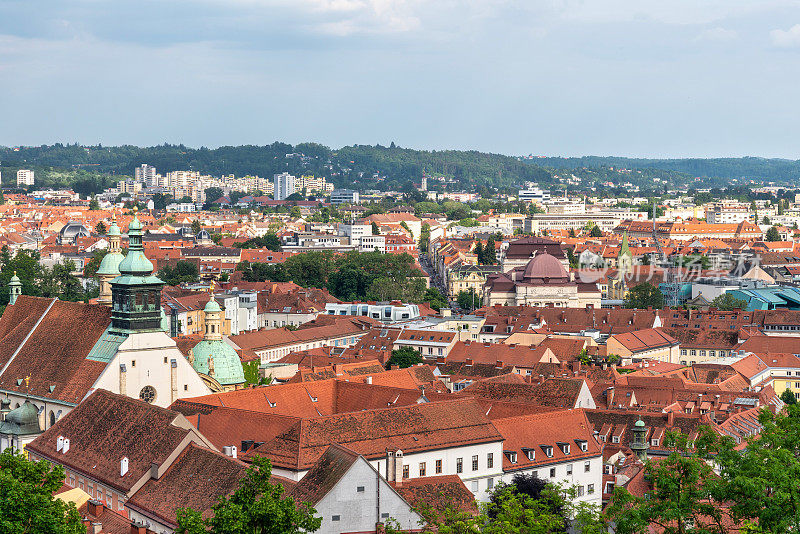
387,312
284,185
25,177
345,196
146,174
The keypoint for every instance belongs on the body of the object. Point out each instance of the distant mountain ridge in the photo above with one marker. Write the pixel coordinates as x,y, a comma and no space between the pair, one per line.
392,167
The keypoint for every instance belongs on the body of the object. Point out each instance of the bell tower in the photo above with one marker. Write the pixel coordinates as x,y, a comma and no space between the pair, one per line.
136,293
14,288
639,443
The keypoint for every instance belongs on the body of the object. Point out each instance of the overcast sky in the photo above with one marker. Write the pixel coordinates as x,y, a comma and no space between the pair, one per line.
553,77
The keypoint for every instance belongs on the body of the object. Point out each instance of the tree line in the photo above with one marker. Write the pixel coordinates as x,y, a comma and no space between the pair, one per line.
349,276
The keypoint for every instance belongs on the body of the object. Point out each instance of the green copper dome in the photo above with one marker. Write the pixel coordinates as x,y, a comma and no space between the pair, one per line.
136,268
113,231
15,281
212,306
227,366
110,264
22,421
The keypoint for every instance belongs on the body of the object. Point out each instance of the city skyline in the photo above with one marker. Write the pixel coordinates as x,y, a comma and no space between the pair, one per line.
609,78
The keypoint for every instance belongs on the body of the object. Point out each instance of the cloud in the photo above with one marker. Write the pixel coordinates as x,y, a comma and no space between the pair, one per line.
718,35
786,39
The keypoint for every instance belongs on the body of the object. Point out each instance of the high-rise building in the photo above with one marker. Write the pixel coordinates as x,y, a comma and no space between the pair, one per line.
284,185
146,174
25,177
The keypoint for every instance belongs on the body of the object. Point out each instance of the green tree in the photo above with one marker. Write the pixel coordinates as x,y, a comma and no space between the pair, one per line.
468,300
424,237
596,231
295,212
481,255
27,505
765,220
489,252
435,299
184,271
727,302
256,507
761,480
213,193
404,357
197,227
90,267
772,234
100,228
644,295
94,205
375,229
269,241
681,497
788,396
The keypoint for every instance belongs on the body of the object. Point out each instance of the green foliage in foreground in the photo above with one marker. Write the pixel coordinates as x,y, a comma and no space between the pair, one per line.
256,507
27,505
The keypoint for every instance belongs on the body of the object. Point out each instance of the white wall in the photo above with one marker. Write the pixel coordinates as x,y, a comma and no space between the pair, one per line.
358,511
149,350
579,477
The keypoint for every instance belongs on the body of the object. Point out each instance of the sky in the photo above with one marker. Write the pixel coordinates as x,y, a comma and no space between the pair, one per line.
642,78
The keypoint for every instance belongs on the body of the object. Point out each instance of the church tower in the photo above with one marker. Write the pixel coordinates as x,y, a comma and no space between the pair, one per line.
109,267
14,288
136,293
639,442
624,259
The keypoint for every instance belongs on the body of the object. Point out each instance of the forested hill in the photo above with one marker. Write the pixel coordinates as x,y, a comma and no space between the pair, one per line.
91,168
780,170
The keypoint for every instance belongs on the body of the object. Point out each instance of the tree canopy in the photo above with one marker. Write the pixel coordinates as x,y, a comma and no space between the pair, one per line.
644,295
727,302
256,507
27,505
404,357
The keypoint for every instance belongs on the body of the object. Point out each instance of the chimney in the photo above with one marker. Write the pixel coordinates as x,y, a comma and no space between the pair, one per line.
499,364
96,527
468,362
398,467
154,471
671,419
138,528
65,448
369,380
390,460
610,397
576,366
123,466
94,507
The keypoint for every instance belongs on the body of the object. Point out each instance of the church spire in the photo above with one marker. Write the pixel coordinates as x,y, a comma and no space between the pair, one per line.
14,288
136,293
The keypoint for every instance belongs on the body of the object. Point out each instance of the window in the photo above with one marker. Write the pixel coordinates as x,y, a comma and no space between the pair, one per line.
589,489
475,463
569,469
614,439
459,465
148,394
654,442
108,499
580,491
336,518
587,466
360,489
474,486
133,363
489,483
490,460
552,472
405,471
438,467
165,359
422,469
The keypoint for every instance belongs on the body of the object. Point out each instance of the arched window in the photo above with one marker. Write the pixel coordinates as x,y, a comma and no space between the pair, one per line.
52,418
